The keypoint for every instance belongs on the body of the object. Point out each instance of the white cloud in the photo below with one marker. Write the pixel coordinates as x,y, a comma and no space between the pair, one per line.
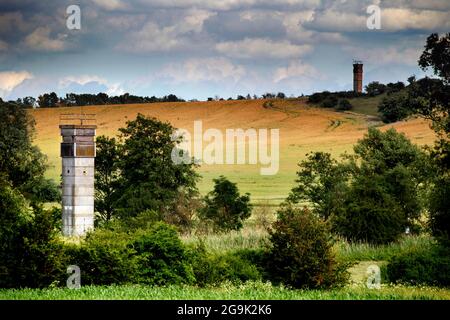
209,69
110,4
82,80
336,21
11,79
406,17
154,38
40,40
395,19
294,70
386,55
262,48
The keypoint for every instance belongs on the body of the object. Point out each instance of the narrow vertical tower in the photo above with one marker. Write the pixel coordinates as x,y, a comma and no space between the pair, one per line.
78,154
357,76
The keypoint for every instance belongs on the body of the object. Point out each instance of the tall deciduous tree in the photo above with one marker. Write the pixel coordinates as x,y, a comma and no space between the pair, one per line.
150,179
106,176
432,100
22,163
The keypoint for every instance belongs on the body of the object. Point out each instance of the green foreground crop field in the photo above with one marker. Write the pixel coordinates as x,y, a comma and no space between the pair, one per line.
247,291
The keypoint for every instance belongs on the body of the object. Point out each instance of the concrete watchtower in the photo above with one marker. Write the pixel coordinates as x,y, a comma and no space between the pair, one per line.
78,154
357,76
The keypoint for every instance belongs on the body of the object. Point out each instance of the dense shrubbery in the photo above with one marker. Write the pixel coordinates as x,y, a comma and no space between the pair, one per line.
154,255
213,268
30,254
375,88
418,266
162,256
329,102
319,97
394,108
105,257
344,105
301,252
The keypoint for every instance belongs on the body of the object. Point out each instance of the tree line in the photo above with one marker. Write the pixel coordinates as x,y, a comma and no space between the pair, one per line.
51,100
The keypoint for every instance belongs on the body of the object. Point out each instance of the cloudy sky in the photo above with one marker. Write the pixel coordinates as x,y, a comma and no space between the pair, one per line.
202,48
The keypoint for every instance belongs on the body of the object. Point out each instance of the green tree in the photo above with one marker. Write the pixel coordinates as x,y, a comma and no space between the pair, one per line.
106,176
369,213
48,100
373,195
225,206
22,163
375,88
389,175
149,178
431,99
437,55
321,181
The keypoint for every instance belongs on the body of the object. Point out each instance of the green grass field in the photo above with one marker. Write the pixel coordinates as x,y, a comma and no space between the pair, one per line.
247,291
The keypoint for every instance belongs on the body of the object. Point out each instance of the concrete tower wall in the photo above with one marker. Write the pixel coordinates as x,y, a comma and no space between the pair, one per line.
78,159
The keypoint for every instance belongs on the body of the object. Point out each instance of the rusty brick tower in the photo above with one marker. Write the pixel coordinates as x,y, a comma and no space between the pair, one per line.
357,76
78,154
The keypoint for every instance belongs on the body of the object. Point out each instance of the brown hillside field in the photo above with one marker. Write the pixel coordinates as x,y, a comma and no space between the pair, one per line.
302,129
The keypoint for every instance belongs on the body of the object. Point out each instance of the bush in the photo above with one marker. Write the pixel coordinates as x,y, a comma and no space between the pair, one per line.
344,105
394,108
153,256
329,102
105,258
418,266
163,258
225,207
213,268
301,254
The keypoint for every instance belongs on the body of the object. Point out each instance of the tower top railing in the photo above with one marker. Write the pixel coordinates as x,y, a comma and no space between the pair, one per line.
83,119
357,62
